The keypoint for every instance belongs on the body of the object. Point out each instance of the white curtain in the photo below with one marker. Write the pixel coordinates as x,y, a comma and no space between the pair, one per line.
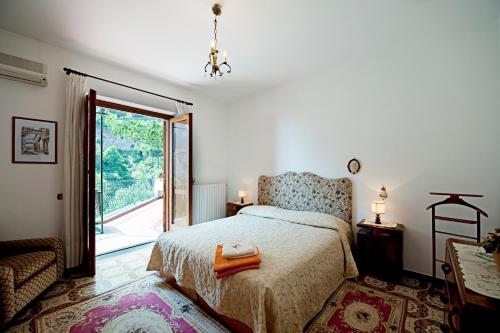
183,108
73,170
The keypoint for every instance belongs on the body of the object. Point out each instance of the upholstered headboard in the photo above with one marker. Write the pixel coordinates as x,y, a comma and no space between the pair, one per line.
306,191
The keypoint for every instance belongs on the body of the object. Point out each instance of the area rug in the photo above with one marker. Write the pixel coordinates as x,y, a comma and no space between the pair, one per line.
412,309
375,306
147,305
111,271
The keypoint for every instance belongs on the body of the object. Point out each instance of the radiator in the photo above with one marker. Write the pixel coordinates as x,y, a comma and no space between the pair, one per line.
209,202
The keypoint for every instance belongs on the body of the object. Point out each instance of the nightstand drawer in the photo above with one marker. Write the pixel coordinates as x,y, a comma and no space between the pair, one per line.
383,233
232,208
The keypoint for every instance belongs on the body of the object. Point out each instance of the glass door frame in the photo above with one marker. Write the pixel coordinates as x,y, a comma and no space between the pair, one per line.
186,118
166,151
92,103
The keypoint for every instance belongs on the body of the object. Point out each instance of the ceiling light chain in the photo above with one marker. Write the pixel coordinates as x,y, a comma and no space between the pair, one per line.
217,70
215,31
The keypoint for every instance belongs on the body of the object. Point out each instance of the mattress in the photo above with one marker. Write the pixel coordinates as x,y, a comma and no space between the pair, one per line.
305,257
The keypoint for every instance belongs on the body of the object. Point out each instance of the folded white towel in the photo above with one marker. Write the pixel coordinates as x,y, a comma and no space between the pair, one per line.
238,250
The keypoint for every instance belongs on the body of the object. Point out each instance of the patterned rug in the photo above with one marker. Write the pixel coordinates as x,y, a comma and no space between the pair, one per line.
147,305
406,307
112,270
372,305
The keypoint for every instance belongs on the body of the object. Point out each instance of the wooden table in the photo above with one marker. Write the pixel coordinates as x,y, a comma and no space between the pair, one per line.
467,311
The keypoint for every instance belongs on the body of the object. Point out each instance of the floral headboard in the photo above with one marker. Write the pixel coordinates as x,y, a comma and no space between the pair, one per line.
308,192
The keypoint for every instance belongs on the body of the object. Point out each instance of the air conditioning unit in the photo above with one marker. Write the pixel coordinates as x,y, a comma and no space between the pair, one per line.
23,70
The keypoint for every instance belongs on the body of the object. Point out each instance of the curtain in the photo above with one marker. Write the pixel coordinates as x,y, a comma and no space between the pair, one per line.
183,108
73,235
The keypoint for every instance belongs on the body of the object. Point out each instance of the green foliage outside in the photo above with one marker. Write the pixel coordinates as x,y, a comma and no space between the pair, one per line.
132,158
136,191
115,164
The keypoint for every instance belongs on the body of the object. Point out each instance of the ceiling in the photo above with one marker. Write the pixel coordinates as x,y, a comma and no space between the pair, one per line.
268,41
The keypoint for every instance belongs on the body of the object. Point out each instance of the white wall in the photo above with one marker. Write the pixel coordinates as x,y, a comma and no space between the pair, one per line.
28,205
420,112
422,115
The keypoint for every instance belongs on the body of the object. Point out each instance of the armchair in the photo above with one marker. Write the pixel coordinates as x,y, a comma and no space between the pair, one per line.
27,268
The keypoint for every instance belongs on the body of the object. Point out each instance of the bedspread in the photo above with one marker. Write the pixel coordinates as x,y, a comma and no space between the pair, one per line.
305,257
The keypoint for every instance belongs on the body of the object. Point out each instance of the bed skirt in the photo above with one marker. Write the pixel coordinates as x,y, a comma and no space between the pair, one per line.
233,324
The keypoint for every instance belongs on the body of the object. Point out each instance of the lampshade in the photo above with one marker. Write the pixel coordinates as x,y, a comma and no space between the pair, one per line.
378,207
241,193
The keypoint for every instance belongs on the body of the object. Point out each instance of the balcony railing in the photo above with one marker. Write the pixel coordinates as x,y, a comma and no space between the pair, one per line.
116,196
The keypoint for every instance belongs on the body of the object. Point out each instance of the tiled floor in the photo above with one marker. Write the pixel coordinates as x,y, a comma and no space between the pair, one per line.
120,267
137,227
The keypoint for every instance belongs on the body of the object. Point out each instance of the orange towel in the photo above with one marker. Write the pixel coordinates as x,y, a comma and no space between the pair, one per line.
222,264
232,271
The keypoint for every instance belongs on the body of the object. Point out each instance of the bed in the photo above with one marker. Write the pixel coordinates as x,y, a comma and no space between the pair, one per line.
302,227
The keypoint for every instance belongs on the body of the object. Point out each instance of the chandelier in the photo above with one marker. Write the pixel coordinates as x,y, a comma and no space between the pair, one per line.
213,68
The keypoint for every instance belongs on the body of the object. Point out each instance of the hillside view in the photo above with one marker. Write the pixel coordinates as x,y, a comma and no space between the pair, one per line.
129,158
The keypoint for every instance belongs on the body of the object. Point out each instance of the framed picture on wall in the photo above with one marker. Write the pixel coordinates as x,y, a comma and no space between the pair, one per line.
34,141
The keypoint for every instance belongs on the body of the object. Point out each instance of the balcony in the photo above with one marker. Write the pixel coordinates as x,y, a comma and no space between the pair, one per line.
128,213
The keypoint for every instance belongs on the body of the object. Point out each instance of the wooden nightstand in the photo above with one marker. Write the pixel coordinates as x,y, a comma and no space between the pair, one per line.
380,250
232,208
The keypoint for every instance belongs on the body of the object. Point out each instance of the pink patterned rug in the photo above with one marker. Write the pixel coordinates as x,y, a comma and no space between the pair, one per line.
147,305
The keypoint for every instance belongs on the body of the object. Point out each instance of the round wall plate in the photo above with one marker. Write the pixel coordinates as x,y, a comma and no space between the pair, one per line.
353,166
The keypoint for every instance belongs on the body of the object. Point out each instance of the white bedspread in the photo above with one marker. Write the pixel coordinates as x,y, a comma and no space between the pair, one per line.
305,256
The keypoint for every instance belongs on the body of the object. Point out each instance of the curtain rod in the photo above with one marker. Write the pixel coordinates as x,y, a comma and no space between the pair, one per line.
72,71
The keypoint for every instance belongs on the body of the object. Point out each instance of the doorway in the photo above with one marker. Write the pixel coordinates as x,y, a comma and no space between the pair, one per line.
130,176
139,175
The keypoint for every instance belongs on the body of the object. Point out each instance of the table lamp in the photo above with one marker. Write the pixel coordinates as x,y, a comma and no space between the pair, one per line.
241,194
378,208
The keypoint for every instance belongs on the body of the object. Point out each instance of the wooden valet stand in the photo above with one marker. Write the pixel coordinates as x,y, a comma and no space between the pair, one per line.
453,199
